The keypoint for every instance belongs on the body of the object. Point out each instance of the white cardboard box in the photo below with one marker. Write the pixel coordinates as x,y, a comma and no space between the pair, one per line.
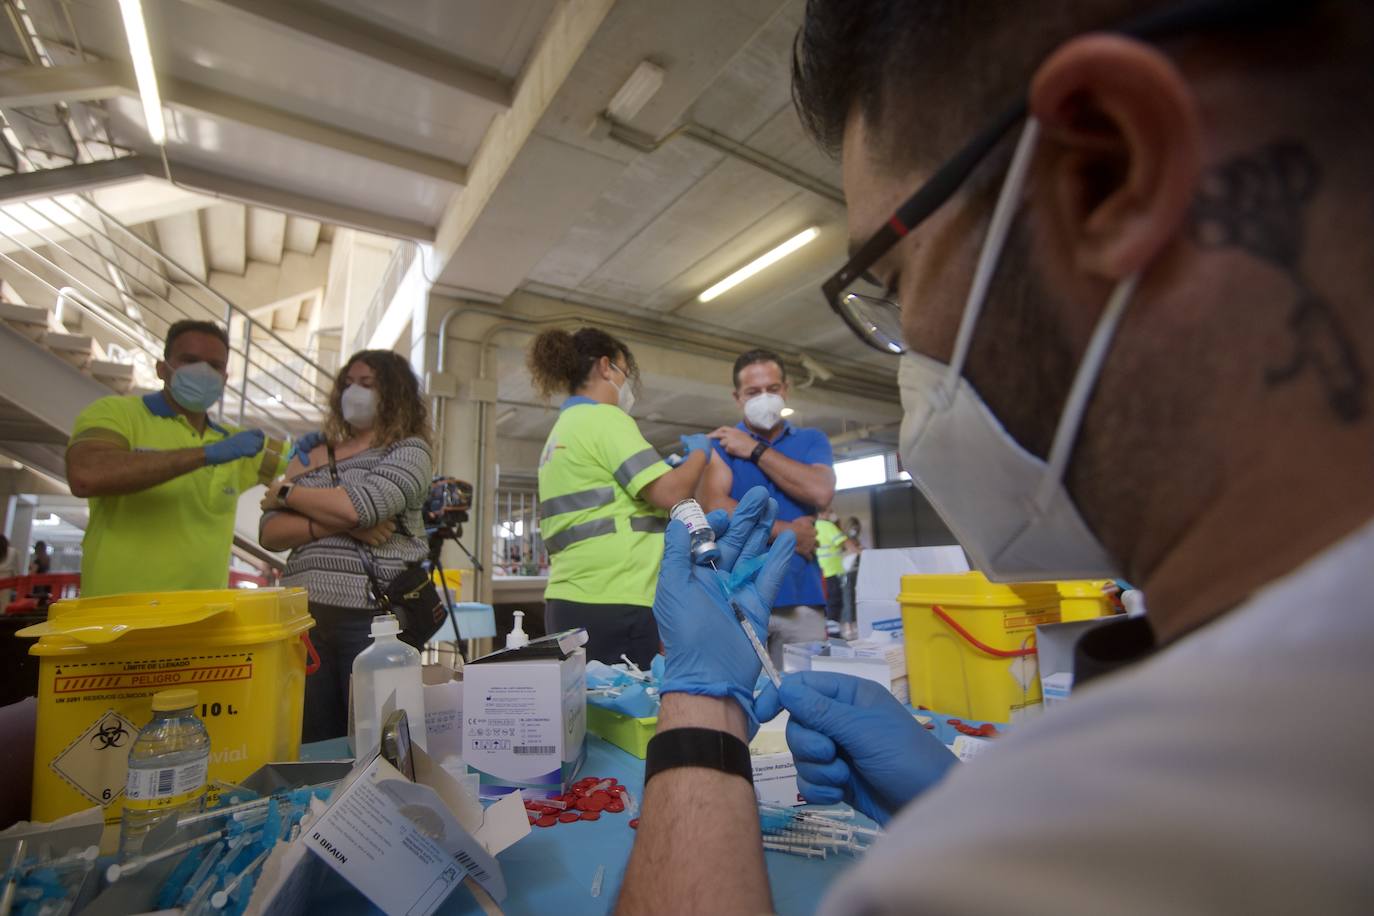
880,579
443,712
525,717
404,845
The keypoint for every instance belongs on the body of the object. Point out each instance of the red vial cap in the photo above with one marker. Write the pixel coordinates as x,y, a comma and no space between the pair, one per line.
547,820
568,817
634,823
591,815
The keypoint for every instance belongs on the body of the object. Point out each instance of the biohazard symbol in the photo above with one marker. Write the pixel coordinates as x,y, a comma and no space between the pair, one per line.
111,733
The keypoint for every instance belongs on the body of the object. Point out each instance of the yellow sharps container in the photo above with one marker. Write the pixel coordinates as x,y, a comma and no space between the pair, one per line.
102,659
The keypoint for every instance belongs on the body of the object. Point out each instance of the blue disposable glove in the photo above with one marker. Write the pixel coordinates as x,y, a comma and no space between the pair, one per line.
303,446
853,741
696,442
243,444
705,652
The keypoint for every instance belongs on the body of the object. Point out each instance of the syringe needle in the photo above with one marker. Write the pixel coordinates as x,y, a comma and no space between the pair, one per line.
748,627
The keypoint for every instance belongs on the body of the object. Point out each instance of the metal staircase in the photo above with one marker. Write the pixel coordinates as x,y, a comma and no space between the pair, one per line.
98,298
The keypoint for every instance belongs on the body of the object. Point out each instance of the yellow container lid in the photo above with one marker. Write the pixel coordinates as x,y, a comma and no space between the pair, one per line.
181,698
220,617
1083,588
972,589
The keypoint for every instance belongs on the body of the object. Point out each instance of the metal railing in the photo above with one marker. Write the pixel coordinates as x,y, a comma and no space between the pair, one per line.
516,547
271,382
402,256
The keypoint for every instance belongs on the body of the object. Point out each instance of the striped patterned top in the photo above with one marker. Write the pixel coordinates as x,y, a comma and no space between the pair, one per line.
381,483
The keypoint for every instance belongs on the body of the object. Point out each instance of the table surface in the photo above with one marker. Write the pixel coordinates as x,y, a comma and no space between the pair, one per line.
552,869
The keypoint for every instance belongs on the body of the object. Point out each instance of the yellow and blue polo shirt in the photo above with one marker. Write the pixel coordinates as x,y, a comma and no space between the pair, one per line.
604,542
175,535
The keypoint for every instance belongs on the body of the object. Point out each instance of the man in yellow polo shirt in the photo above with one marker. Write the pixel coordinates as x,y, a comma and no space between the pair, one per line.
162,478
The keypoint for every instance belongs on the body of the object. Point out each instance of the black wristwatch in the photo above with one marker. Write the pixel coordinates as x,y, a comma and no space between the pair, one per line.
284,491
758,451
697,747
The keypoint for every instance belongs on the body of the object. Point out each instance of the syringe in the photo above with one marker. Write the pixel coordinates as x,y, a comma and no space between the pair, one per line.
748,627
705,549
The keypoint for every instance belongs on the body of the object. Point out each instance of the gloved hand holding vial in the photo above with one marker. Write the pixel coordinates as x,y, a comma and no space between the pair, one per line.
700,607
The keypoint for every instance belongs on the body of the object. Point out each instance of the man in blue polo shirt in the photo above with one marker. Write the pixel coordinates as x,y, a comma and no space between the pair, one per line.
795,465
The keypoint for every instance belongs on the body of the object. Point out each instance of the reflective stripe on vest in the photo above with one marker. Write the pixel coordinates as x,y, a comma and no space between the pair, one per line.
594,498
633,465
642,524
582,532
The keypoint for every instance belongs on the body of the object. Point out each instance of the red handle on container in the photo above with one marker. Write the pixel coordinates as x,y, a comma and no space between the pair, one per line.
313,664
977,643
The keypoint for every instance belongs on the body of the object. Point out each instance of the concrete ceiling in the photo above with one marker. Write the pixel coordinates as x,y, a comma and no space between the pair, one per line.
356,112
637,223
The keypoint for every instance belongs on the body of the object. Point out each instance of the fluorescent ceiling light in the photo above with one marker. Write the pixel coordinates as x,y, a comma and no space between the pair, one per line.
642,86
786,412
860,472
759,263
142,58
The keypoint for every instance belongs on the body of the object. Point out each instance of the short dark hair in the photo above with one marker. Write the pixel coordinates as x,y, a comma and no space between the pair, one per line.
929,75
757,356
190,325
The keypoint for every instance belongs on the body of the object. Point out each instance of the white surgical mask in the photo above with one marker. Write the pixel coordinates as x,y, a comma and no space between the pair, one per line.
359,407
1008,509
624,394
763,411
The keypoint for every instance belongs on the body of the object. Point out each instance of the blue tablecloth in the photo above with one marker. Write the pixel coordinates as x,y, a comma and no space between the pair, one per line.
551,870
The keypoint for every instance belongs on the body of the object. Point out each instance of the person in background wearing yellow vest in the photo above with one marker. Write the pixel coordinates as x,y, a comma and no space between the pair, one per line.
830,544
603,492
163,479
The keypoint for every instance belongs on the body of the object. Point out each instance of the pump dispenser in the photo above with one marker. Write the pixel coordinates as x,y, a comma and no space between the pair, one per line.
517,637
386,667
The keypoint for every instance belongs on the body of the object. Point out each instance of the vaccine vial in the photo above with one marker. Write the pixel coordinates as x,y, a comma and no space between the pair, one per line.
704,547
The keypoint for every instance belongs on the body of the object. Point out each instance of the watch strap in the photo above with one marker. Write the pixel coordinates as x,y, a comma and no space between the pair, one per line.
284,491
697,747
758,451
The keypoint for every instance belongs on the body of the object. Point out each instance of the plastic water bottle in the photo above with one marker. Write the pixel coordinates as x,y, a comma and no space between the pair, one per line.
704,547
169,765
387,666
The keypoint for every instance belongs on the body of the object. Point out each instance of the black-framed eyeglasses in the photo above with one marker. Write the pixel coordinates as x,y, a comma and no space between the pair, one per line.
869,309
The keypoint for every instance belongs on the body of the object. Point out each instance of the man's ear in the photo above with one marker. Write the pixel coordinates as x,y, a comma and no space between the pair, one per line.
1122,149
163,370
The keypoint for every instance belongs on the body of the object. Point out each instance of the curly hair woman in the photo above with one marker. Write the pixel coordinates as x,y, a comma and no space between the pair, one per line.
378,428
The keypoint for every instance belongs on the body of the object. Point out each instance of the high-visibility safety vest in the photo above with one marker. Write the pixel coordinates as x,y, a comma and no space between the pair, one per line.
605,543
829,547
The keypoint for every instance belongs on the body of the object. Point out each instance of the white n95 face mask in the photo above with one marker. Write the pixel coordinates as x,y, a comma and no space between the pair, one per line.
359,407
1008,508
763,411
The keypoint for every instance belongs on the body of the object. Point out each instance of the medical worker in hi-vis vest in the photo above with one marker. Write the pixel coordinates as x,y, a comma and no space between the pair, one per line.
603,495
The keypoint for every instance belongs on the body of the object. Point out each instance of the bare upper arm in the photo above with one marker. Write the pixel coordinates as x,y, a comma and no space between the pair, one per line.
714,490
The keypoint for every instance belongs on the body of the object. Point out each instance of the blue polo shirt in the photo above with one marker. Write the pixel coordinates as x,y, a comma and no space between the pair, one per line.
802,584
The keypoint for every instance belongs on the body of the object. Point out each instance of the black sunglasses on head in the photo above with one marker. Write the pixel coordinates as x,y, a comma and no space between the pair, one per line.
870,310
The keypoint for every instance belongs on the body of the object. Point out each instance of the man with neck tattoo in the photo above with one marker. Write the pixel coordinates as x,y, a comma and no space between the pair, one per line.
1121,249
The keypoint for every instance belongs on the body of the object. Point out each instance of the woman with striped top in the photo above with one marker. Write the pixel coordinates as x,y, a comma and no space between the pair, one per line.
379,428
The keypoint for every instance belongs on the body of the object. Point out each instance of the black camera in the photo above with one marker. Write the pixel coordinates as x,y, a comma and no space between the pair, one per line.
446,510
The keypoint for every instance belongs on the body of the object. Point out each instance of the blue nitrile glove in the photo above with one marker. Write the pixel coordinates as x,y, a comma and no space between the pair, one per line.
705,652
243,444
853,741
303,446
696,442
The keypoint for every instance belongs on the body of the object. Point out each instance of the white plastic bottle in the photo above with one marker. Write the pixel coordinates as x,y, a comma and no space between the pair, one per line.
517,637
169,764
387,666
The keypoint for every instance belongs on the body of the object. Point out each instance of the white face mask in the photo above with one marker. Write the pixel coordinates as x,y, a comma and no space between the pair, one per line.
359,407
624,394
763,411
1008,508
